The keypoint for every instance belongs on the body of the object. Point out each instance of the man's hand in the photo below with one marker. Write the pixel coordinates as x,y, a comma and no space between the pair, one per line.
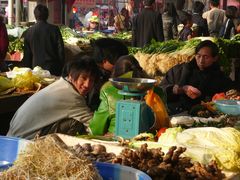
177,89
191,91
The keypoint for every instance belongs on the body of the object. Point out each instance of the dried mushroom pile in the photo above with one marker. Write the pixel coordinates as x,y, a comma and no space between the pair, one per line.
94,152
50,158
167,166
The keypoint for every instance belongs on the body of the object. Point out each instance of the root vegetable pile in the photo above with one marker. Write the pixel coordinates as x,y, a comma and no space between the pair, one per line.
167,166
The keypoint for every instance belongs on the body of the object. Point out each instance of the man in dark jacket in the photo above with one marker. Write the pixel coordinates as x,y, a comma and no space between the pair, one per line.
189,83
182,15
147,25
202,26
43,44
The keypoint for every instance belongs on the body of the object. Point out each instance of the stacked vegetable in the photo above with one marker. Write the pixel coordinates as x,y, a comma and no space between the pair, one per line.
25,80
203,145
157,58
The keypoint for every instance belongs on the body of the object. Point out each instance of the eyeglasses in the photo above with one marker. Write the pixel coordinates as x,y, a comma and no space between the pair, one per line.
198,56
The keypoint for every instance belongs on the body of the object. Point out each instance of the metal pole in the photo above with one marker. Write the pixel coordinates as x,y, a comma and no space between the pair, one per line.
18,12
10,12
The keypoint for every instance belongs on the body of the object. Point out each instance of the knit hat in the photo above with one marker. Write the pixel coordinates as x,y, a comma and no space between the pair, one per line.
94,19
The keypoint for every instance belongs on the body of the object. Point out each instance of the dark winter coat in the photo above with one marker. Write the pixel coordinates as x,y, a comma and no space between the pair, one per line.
43,46
209,81
202,26
146,26
228,29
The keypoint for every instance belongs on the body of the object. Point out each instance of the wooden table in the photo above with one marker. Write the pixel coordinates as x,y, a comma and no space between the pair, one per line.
8,106
10,103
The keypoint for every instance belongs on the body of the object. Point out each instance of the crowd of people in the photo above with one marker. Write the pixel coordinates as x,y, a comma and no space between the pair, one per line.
175,23
95,20
83,100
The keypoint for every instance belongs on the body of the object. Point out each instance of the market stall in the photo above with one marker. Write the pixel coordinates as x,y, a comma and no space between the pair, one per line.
201,144
194,147
16,87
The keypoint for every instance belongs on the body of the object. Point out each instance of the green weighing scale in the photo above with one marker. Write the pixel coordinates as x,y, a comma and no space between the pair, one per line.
133,115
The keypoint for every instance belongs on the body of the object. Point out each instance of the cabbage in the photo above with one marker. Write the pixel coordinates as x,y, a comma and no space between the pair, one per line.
168,138
209,143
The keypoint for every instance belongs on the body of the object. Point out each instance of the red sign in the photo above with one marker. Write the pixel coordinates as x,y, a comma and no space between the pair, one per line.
85,3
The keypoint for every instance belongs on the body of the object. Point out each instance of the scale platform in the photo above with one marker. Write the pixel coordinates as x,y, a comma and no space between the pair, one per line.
133,116
133,85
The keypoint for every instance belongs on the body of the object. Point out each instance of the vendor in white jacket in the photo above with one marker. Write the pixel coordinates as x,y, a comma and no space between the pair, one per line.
60,107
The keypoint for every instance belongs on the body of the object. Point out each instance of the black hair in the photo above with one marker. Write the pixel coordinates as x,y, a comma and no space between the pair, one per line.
148,2
231,12
171,10
108,49
198,7
180,4
214,3
209,44
1,18
79,65
186,18
128,63
41,12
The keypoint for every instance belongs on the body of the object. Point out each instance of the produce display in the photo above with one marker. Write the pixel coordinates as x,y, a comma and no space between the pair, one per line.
158,57
15,44
199,146
203,144
155,58
171,165
94,152
22,80
170,54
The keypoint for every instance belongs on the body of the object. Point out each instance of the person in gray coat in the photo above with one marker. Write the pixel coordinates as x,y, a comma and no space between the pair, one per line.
61,106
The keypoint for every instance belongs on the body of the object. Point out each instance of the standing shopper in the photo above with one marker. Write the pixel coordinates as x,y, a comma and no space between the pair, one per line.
43,44
228,29
61,106
215,18
147,25
181,13
202,26
170,22
3,45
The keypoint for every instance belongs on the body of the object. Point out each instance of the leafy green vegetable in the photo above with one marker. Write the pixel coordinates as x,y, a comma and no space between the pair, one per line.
15,44
67,32
161,47
5,83
168,138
